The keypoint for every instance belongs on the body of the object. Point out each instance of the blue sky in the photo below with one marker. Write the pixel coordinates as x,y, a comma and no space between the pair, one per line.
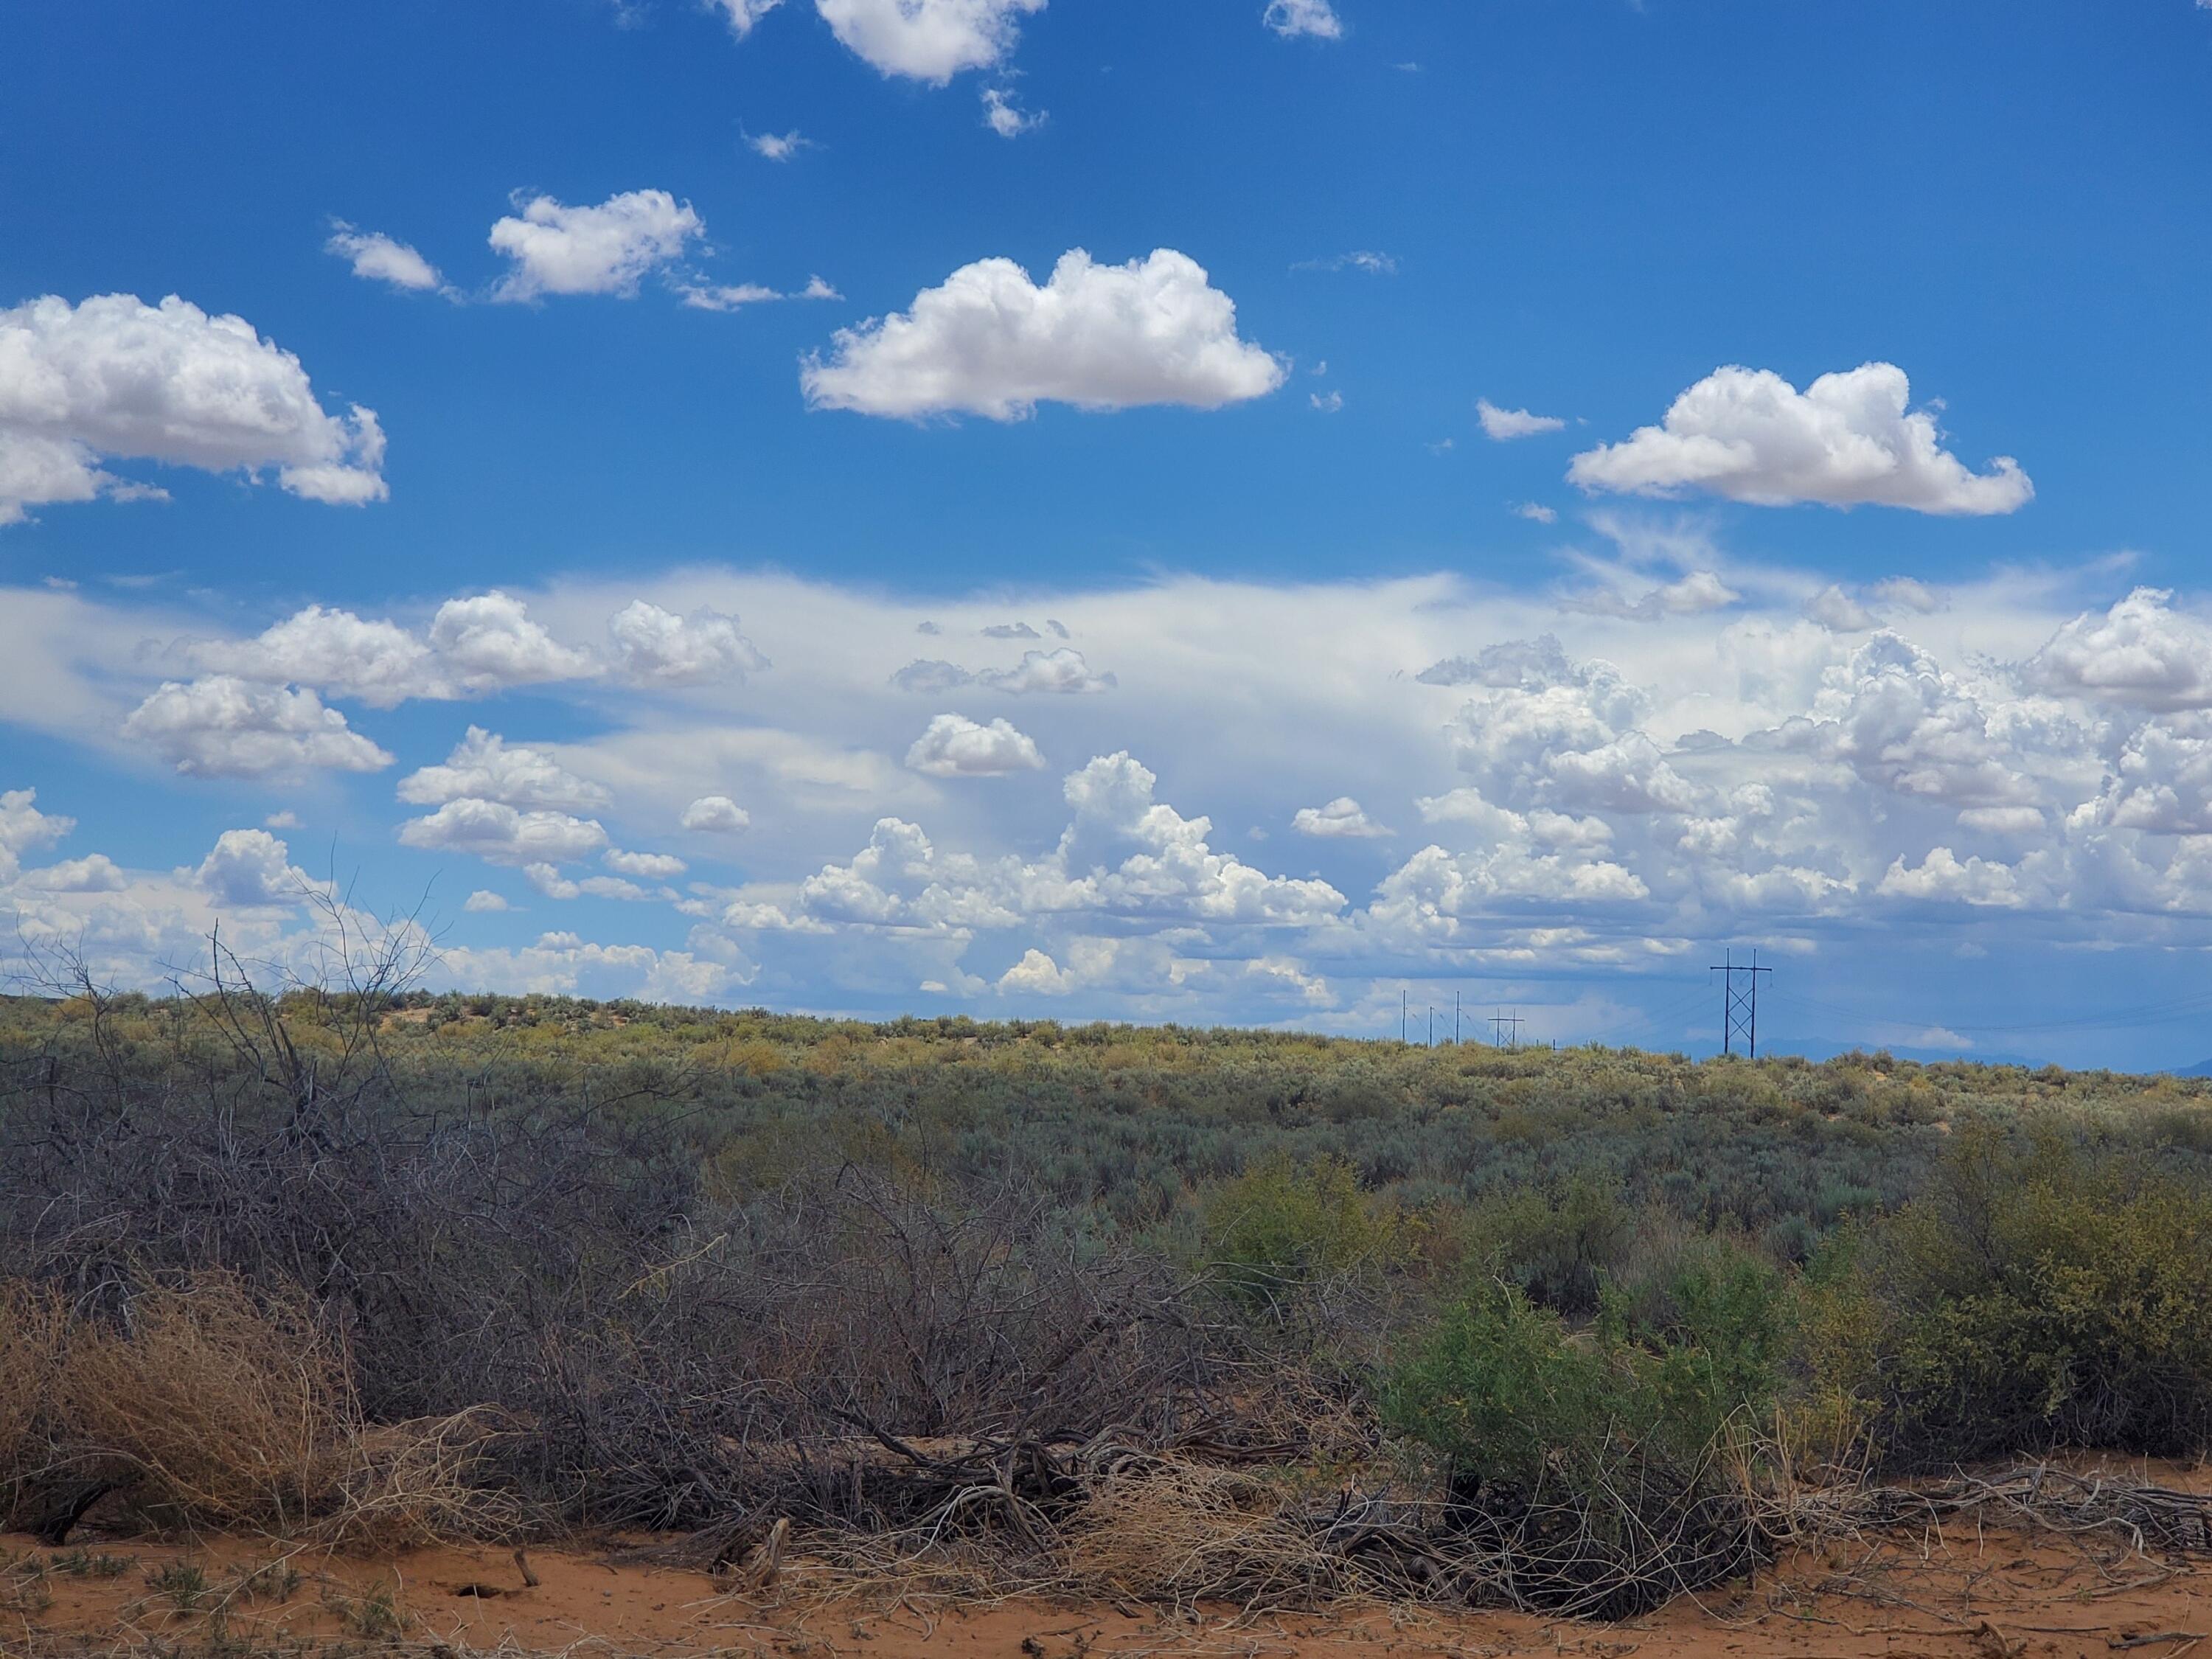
1237,457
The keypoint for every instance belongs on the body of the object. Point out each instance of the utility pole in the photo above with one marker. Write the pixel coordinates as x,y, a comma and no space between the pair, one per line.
1505,1031
1739,1008
1401,1014
1433,1025
1455,1037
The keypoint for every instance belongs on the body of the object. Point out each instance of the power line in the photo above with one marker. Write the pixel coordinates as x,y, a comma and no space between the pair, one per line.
1738,1009
1505,1031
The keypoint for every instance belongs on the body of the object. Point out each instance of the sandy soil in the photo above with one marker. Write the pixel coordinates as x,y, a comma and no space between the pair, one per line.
1984,1594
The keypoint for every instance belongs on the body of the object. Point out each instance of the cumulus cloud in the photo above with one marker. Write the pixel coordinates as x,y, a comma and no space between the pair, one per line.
95,873
551,884
1848,439
1837,612
2140,652
250,870
377,258
930,40
1037,975
1942,878
219,725
500,834
1536,513
1503,425
116,378
1691,595
646,867
484,766
1316,18
954,746
1062,670
23,826
475,646
483,902
928,675
988,341
1342,819
489,642
555,248
715,815
659,648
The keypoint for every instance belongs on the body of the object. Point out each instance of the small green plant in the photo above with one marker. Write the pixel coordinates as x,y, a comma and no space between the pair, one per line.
91,1564
183,1583
373,1617
273,1581
23,1587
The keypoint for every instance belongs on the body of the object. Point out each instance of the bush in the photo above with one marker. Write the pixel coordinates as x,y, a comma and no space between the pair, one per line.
1614,1463
1556,1244
1280,1228
2035,1296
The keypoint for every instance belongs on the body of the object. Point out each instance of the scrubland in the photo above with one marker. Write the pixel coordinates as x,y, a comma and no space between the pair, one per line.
1167,1319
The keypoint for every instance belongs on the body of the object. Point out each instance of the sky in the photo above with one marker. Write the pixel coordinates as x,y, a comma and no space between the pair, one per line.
1195,510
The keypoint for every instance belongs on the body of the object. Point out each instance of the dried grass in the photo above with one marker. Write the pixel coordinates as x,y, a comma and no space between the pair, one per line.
34,1326
225,1404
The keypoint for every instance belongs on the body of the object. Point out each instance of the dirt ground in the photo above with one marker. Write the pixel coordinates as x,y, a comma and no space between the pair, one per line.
1986,1594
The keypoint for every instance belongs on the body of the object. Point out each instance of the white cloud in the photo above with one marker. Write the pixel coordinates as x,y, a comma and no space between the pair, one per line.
219,725
930,40
1942,878
1007,117
286,819
117,378
1331,404
955,746
715,815
660,647
1503,425
500,834
1847,439
95,873
483,902
1060,670
708,296
646,867
474,646
1342,819
990,342
489,642
1837,612
1037,975
1370,261
2142,653
555,248
744,14
377,258
778,146
485,767
551,884
1536,513
1691,595
250,870
1316,18
23,827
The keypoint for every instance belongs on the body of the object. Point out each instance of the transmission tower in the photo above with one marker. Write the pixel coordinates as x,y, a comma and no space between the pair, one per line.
1505,1031
1739,1004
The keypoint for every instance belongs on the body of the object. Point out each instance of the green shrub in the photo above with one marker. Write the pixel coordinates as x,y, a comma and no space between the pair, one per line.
1610,1466
1281,1228
2034,1295
1556,1244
